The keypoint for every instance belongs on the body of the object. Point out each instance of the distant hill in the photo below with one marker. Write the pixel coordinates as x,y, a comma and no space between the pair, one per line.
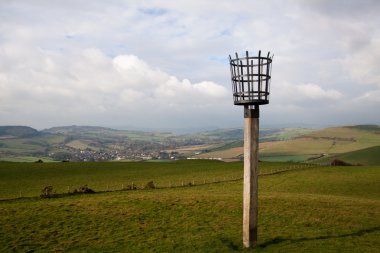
80,143
76,129
309,145
17,131
266,134
366,156
370,128
328,142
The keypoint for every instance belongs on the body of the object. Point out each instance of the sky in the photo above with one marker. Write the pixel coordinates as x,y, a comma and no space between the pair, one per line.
163,64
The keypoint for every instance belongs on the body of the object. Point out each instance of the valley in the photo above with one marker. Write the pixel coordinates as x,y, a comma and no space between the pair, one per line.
88,143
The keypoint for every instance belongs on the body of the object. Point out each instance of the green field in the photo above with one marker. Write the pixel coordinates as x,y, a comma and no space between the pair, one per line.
29,159
314,209
367,156
31,178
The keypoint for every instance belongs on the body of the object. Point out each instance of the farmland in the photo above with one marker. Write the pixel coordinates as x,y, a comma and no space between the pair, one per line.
305,209
325,143
86,143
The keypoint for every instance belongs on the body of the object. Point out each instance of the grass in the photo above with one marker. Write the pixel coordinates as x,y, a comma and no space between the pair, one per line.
21,146
361,136
31,178
223,154
288,133
229,145
25,159
284,158
366,156
330,141
328,209
78,144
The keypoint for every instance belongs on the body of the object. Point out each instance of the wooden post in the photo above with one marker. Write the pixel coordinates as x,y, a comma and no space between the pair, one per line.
250,195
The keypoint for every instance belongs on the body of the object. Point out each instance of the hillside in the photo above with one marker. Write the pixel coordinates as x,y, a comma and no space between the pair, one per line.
315,209
367,156
266,134
311,146
84,143
91,143
17,131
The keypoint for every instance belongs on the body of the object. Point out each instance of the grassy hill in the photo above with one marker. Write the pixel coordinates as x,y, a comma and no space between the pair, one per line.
368,156
16,131
61,143
266,134
290,144
316,209
327,143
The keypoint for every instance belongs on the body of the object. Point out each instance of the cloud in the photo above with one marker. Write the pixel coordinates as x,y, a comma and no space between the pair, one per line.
88,83
363,65
313,91
304,95
370,98
159,85
127,62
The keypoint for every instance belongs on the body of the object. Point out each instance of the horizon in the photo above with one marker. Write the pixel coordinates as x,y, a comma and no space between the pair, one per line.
180,131
164,65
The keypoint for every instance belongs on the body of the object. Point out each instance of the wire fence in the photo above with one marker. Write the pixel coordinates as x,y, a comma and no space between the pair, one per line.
139,185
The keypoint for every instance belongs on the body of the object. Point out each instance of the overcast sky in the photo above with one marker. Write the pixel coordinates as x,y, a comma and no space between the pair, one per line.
164,64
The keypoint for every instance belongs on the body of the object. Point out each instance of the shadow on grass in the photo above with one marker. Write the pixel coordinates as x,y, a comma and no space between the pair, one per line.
230,244
278,240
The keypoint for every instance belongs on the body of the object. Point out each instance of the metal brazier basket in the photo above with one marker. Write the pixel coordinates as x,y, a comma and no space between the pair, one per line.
250,76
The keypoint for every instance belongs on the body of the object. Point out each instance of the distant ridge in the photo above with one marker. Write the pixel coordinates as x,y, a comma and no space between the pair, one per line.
74,128
371,128
17,131
95,143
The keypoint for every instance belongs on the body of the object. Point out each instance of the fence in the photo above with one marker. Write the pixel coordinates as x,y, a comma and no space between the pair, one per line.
180,183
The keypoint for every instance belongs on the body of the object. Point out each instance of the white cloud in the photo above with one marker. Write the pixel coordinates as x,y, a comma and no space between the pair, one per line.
87,82
364,64
93,62
304,95
313,91
370,98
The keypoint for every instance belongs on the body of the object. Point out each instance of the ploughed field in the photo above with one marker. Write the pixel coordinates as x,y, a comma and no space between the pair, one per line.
301,208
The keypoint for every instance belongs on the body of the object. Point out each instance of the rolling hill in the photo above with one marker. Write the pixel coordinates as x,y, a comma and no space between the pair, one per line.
90,143
367,156
17,132
312,146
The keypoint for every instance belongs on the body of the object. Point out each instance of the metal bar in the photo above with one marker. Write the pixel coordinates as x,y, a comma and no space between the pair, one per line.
253,81
259,76
270,72
267,78
238,77
242,79
232,74
248,76
233,78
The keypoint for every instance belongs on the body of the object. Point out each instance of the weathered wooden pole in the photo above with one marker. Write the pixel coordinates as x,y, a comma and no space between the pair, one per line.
250,194
250,77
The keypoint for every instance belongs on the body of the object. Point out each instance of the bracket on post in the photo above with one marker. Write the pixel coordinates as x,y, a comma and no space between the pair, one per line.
251,113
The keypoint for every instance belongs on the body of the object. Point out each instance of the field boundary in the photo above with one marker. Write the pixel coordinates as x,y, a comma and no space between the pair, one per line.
180,184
